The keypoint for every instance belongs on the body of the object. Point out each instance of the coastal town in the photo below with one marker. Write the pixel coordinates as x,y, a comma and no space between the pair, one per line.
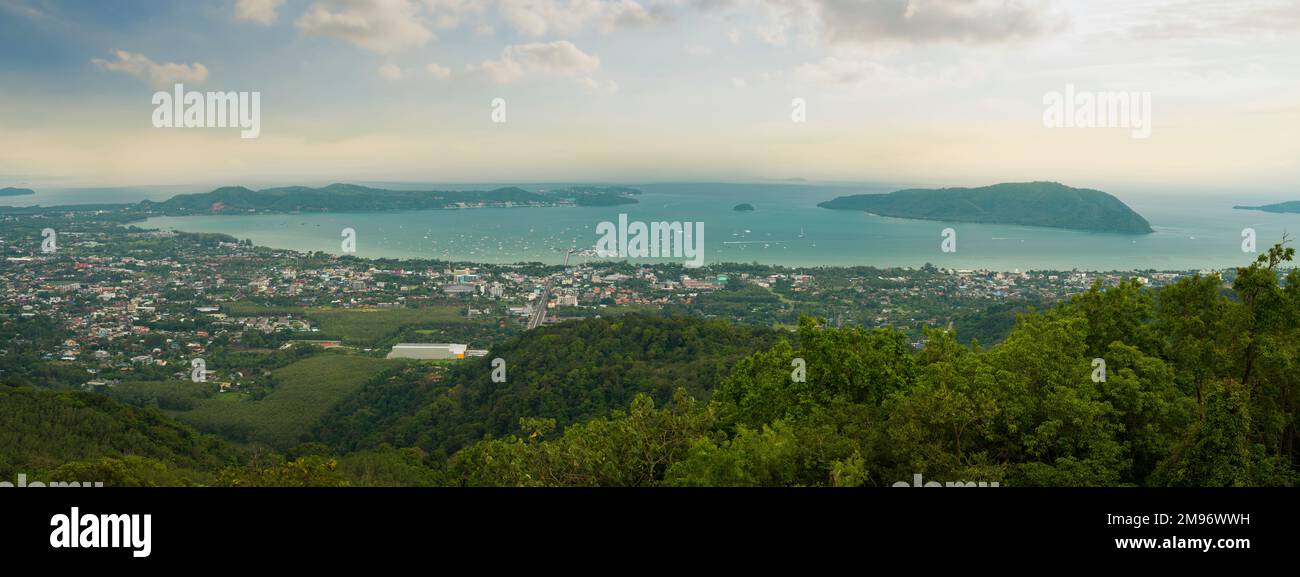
114,303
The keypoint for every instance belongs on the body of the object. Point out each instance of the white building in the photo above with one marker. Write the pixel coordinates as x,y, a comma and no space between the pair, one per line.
430,351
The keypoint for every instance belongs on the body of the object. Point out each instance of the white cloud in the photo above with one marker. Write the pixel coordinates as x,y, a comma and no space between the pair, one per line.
158,75
503,70
560,58
390,72
260,11
606,87
438,71
832,71
539,17
772,34
450,13
928,21
381,26
699,50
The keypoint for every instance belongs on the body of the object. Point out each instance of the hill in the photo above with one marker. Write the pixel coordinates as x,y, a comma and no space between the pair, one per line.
304,392
1047,204
42,430
570,372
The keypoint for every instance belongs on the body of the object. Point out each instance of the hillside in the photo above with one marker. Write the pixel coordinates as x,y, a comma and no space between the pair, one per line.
304,392
1047,204
41,430
570,372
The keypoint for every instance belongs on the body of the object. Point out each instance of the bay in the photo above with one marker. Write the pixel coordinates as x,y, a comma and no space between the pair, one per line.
787,228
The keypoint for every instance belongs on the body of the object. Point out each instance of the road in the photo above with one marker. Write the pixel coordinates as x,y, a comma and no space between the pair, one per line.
539,312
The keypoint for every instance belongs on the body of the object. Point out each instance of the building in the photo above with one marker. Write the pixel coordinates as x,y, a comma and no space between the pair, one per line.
427,351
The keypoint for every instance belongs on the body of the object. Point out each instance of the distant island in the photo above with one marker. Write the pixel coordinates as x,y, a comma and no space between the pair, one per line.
356,198
11,191
743,207
1289,206
1048,204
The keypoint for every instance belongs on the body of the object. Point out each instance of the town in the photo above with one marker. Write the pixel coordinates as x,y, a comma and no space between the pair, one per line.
117,303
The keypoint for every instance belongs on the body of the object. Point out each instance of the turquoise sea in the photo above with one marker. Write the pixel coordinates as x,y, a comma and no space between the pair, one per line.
1192,233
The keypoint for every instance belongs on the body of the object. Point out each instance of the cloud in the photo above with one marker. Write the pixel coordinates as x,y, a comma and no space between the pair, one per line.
381,26
606,87
438,71
560,58
711,5
929,21
158,75
390,72
503,70
630,14
773,34
450,13
832,71
539,17
22,7
260,11
1199,20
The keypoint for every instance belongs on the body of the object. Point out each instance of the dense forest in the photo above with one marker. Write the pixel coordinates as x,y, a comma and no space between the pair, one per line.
1199,389
569,373
1192,385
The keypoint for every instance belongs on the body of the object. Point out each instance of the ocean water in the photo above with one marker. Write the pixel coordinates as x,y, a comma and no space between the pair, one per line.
1191,233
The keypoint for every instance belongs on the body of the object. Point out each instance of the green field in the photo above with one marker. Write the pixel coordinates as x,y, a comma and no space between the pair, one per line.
367,326
356,326
306,390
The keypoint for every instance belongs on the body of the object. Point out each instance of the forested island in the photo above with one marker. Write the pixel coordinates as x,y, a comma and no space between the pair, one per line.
744,207
1048,204
11,191
1289,206
356,198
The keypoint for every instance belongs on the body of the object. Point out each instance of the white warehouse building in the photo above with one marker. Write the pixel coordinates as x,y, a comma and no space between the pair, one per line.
428,351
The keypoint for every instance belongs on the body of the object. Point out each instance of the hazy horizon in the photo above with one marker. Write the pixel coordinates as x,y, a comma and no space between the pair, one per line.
903,91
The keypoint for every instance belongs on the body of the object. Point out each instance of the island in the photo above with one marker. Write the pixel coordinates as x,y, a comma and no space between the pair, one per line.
743,207
1289,206
356,198
11,191
1046,204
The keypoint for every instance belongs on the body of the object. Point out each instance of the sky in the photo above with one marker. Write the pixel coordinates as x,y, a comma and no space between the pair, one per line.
942,92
